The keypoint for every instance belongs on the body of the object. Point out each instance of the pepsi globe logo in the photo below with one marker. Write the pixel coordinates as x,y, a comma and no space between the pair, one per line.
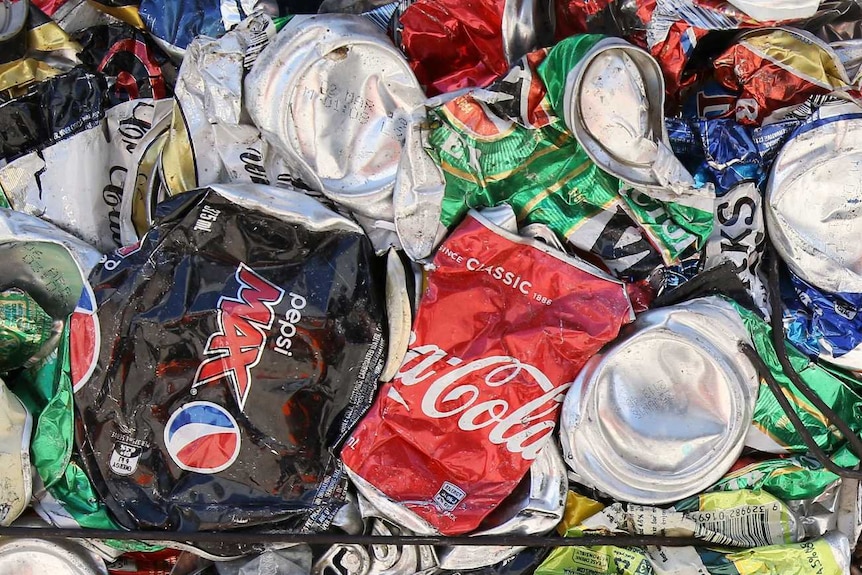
202,437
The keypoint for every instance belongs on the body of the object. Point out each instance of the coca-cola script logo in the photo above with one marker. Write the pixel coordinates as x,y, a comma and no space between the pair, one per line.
238,345
474,393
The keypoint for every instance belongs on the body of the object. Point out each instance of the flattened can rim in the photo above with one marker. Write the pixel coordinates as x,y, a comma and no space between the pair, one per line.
75,560
600,414
823,139
631,173
282,67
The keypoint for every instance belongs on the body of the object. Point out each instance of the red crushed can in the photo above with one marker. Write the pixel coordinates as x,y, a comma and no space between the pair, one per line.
503,328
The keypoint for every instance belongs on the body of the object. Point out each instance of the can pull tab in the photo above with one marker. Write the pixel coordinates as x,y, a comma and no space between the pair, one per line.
832,418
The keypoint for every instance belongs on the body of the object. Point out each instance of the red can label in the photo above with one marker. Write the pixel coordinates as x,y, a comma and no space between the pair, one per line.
503,328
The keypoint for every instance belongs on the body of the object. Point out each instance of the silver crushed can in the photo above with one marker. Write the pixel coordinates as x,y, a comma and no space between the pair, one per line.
534,508
34,555
813,200
333,96
662,412
614,105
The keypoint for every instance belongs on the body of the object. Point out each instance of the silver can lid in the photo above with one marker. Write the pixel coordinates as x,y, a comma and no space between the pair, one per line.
30,555
613,103
13,16
814,200
662,413
334,96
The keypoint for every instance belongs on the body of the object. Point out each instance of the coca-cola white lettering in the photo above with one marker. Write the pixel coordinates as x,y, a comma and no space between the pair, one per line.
459,393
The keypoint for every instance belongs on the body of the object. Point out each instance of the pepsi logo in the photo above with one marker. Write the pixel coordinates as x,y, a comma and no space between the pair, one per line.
202,437
84,338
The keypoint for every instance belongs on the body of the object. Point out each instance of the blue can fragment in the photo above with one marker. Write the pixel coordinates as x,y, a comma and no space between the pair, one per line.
721,151
823,324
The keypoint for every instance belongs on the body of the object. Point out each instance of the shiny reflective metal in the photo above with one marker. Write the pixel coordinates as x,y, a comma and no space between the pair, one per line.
343,559
535,507
662,412
75,15
418,194
333,96
141,185
43,557
349,518
850,54
527,26
13,15
395,559
399,314
814,200
614,105
840,547
287,204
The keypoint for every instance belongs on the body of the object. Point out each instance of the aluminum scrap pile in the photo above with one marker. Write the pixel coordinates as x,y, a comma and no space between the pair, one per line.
441,268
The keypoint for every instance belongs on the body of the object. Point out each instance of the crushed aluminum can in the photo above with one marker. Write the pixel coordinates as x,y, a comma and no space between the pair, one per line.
33,555
42,260
394,559
399,314
527,26
813,200
662,412
405,446
482,38
774,70
343,559
207,120
333,96
102,161
418,194
13,15
535,507
614,105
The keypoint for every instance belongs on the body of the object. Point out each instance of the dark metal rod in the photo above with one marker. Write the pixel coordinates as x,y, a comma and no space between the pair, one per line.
264,537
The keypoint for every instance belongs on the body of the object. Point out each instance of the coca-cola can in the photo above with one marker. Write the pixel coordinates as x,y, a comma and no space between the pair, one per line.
333,96
662,413
535,507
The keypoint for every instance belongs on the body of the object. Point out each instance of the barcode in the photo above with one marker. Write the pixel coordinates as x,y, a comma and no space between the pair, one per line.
750,530
258,43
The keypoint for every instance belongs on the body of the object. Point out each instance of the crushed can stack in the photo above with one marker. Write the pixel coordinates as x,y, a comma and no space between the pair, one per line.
346,287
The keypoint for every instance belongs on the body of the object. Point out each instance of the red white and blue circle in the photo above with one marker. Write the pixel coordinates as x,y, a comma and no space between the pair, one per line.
202,437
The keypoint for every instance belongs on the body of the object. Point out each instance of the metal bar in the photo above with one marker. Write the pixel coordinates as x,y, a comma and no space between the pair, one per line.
269,536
